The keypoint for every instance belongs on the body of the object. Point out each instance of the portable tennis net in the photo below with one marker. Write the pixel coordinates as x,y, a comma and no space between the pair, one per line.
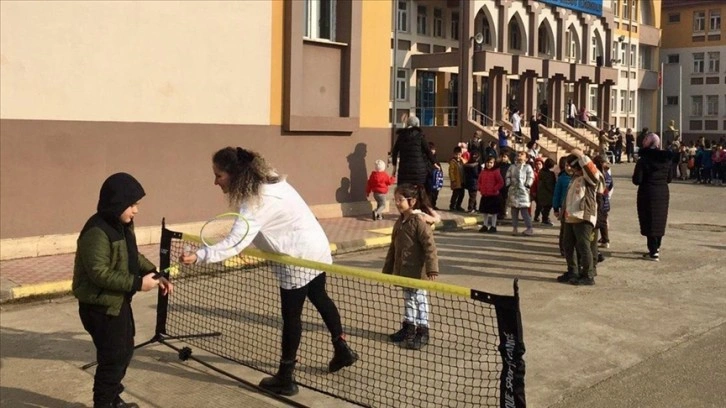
474,357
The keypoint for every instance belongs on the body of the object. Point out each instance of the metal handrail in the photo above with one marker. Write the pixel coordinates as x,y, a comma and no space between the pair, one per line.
481,115
558,141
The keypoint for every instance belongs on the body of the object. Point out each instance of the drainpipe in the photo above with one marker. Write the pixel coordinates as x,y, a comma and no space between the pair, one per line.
630,58
394,75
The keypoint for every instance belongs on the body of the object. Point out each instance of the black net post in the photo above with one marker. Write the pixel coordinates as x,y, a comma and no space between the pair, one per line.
511,348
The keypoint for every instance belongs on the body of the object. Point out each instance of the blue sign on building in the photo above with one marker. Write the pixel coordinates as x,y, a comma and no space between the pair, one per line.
593,7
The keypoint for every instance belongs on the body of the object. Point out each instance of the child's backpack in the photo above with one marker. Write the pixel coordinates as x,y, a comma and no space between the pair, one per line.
436,181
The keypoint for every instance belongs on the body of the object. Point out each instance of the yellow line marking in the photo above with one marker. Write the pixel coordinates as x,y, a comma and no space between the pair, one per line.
42,289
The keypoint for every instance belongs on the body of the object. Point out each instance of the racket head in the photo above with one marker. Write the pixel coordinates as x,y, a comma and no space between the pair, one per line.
225,230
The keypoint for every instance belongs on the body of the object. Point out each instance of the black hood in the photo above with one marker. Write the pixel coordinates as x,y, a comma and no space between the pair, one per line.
118,192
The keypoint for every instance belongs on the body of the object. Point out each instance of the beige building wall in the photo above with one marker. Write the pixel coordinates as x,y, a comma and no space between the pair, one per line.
100,61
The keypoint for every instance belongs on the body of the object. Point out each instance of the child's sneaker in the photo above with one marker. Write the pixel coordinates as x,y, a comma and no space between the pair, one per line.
484,228
492,230
528,232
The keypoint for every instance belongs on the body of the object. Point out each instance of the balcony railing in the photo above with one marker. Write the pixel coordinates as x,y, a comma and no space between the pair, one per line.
437,115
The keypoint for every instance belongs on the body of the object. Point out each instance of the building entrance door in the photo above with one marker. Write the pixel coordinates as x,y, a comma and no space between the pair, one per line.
425,97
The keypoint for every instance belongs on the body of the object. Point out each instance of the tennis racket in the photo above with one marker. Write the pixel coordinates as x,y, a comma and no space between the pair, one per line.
224,231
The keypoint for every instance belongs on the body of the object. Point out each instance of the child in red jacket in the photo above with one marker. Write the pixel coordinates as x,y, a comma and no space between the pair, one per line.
378,183
490,182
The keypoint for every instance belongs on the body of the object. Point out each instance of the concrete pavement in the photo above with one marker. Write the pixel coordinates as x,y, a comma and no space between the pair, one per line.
647,335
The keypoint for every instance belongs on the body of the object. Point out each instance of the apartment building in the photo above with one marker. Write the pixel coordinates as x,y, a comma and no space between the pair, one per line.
636,40
694,84
88,89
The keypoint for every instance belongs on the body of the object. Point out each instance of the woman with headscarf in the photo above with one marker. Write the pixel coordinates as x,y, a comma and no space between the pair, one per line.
652,175
411,155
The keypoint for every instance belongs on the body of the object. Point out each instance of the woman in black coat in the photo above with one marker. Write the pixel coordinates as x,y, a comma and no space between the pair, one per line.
652,175
412,152
534,128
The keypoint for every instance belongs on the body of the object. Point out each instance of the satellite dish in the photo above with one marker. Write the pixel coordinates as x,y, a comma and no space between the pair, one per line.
478,38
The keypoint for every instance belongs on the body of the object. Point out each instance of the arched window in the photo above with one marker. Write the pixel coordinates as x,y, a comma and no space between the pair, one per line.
573,45
515,36
545,40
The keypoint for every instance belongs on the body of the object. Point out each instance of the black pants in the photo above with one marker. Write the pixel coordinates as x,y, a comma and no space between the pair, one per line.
544,210
113,337
654,245
292,301
602,226
457,197
433,197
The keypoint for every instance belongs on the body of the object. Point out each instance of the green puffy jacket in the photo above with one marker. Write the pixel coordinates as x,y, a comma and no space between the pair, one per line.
101,274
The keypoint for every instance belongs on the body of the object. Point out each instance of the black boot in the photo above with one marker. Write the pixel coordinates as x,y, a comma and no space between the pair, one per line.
281,383
343,356
420,339
409,337
398,336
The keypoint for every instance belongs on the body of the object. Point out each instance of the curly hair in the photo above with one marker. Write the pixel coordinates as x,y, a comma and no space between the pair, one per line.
247,172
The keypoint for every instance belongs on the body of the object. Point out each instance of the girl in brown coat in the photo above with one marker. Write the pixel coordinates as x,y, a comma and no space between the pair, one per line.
412,254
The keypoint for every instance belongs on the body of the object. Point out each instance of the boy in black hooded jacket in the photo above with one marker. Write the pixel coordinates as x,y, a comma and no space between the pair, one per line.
108,271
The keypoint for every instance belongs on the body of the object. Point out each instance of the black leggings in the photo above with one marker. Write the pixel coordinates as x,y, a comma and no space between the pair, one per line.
292,301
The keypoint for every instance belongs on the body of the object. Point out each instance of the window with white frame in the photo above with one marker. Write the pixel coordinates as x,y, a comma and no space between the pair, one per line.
714,62
626,10
422,21
593,97
613,96
622,101
633,53
438,22
634,10
455,25
699,21
715,20
616,7
320,19
697,105
623,51
401,85
712,105
402,22
571,41
674,58
631,102
698,63
615,50
594,49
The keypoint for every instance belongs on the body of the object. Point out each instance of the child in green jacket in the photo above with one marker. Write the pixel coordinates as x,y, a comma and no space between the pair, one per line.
108,271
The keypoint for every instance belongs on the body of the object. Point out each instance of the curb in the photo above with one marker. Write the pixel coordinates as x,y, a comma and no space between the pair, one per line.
59,288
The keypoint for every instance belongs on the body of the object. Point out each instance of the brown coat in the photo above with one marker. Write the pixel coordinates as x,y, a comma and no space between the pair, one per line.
412,252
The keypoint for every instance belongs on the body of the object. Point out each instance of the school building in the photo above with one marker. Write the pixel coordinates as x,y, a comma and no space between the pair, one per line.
694,84
462,65
155,88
